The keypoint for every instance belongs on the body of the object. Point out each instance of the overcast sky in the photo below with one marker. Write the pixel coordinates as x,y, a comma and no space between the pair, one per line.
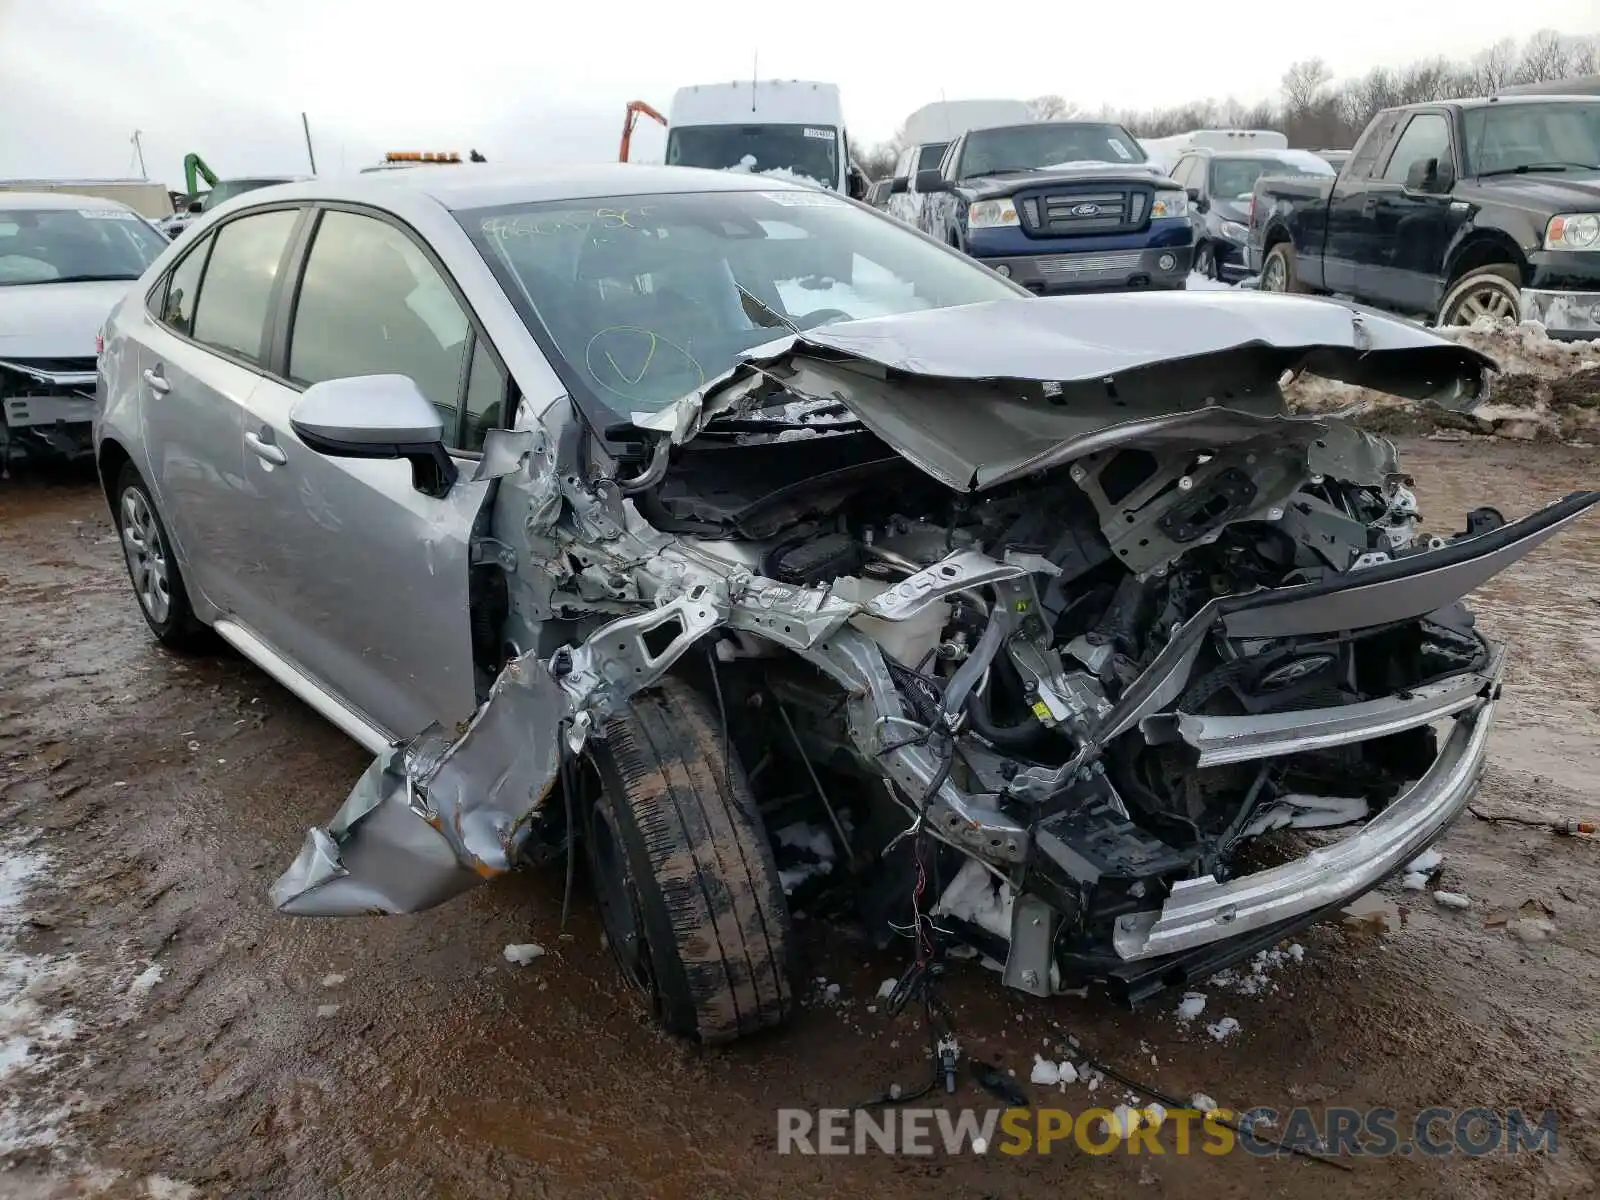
546,80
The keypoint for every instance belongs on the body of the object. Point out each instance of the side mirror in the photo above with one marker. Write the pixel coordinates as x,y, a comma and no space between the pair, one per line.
1430,175
196,206
377,416
856,184
930,181
898,185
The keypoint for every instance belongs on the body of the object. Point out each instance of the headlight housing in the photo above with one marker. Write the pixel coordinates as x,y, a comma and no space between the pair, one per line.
1573,231
1235,232
1170,204
991,214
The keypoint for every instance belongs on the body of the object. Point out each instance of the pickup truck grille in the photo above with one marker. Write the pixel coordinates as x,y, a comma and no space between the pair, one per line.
1103,210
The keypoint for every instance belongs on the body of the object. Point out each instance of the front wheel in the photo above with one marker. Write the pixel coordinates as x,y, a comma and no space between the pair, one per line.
1205,261
1490,291
687,884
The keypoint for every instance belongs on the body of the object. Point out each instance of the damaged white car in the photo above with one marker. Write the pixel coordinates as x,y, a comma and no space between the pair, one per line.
651,510
64,261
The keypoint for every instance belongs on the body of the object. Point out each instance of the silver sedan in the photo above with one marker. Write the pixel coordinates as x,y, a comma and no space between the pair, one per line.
753,545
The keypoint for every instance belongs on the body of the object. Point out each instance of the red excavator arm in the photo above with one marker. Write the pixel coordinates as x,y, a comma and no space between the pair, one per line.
635,107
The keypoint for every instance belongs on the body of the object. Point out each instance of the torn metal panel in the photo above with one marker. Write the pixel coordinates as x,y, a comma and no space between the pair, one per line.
438,814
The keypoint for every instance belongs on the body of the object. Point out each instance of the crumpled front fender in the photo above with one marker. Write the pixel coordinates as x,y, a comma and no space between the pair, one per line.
439,813
452,807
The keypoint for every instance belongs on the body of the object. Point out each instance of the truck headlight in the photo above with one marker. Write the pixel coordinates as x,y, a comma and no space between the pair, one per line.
1170,204
991,214
1573,231
1235,232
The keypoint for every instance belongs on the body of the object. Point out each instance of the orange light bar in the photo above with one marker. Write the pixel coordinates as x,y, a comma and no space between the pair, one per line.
428,156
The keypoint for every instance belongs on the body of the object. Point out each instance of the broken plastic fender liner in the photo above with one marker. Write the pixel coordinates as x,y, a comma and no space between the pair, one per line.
434,816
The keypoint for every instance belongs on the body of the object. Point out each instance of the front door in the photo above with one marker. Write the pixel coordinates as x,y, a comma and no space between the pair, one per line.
369,576
1416,223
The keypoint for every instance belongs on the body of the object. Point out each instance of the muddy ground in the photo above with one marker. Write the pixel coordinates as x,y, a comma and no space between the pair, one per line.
186,1040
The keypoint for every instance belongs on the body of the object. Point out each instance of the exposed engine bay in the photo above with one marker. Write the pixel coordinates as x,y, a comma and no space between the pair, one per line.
46,406
1048,652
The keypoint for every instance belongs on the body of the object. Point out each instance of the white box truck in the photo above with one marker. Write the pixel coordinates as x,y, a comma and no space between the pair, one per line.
792,128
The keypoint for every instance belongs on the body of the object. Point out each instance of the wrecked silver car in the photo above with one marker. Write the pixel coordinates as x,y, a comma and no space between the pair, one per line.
691,510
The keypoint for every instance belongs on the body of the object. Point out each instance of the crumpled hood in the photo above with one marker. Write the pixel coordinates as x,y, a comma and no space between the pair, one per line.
982,187
980,394
55,320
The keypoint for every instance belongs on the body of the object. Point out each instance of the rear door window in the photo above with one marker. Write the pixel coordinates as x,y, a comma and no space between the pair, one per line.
238,281
183,290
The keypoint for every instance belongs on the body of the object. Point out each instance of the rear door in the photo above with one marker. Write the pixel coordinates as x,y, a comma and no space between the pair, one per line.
370,575
201,351
1354,251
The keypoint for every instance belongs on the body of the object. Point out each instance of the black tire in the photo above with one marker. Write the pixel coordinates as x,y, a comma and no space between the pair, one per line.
688,887
159,589
1205,261
1490,291
1281,257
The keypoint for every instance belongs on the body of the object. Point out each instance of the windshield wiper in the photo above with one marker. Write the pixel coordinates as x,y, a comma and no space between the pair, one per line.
1004,171
1529,168
70,279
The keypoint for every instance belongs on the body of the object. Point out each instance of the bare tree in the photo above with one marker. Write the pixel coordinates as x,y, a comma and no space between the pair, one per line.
1052,108
1545,57
1492,69
1302,82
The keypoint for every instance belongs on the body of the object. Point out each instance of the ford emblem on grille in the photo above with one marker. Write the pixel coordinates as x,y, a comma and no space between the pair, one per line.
1086,210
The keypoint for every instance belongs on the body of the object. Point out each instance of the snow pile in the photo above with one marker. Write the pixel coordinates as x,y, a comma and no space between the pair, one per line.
1224,1029
806,852
1191,1006
523,953
976,896
1544,388
1257,979
32,1023
747,166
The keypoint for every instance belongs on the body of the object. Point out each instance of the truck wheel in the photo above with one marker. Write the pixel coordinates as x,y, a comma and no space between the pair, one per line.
1278,272
685,876
1205,261
153,566
1490,291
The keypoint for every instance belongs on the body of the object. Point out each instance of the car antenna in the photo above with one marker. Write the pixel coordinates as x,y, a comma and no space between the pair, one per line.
755,76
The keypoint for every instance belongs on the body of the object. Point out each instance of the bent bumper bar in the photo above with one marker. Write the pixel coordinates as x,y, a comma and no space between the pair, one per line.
1574,315
1201,911
1222,740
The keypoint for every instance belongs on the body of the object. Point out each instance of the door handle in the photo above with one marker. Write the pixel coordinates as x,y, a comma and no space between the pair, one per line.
265,450
156,381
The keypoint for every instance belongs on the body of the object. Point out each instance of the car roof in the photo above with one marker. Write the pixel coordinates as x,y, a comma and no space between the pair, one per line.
473,185
1499,101
1263,152
15,200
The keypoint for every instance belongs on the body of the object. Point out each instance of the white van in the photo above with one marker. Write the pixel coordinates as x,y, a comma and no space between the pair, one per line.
932,128
1164,152
792,128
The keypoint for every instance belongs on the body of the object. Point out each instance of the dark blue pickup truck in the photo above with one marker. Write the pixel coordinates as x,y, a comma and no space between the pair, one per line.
1451,212
1060,206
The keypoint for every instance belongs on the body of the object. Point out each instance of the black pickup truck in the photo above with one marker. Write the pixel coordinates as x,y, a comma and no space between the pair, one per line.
1060,206
1451,212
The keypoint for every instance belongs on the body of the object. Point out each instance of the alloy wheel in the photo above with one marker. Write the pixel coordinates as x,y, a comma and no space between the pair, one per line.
146,552
1485,301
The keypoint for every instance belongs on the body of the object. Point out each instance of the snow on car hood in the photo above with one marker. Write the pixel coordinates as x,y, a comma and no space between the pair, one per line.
55,320
980,394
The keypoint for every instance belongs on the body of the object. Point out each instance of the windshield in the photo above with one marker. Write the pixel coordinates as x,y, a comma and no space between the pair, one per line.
1035,147
58,245
1233,177
807,151
1506,137
645,298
